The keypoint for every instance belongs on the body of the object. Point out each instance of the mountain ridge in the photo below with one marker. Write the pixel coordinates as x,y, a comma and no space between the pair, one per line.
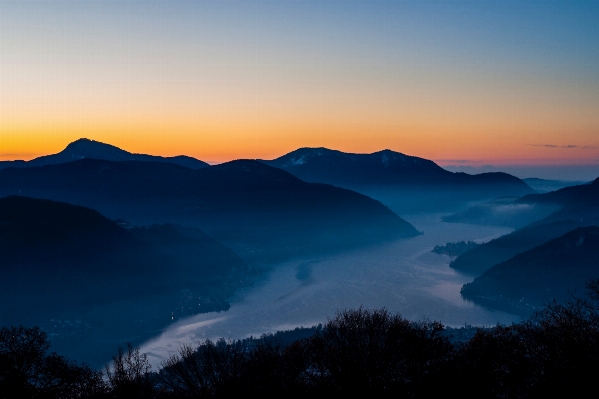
551,271
407,184
242,202
121,284
392,168
86,148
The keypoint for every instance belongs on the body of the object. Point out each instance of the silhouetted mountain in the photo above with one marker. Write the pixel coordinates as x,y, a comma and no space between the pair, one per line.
554,270
503,211
558,197
85,148
402,181
263,211
545,185
582,205
385,167
343,169
482,258
64,262
521,211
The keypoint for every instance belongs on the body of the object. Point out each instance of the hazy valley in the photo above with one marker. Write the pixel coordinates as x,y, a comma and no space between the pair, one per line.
269,251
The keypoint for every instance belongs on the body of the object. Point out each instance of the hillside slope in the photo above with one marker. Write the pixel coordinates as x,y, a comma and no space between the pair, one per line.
405,183
263,212
554,270
62,262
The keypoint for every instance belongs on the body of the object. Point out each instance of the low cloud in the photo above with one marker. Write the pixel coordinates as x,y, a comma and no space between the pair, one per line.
18,154
455,160
564,146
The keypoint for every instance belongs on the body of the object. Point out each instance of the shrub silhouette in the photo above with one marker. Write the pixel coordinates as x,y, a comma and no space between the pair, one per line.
129,374
27,370
376,351
357,352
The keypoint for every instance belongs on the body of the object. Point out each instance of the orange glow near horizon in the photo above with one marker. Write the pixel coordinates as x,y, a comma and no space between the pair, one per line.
222,143
436,120
258,80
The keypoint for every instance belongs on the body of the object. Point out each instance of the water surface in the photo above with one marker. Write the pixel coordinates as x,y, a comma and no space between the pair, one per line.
404,276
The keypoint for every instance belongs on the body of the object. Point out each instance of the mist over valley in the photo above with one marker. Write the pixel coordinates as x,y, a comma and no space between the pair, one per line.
191,251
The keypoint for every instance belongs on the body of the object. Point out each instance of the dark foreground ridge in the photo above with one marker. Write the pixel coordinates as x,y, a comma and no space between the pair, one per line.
93,284
361,352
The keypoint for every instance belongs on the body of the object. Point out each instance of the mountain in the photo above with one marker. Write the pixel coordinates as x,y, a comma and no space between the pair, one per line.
554,270
322,165
85,148
403,181
558,197
260,211
545,185
580,208
385,167
502,211
62,262
518,212
582,205
483,257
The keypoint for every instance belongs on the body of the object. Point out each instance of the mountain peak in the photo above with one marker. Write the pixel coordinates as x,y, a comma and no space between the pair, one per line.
86,148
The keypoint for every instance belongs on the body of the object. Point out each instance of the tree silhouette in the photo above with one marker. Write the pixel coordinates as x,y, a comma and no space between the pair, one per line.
128,375
27,370
376,351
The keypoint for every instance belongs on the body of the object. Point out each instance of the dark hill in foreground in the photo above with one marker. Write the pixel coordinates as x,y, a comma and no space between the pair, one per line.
94,285
263,212
554,270
85,148
406,183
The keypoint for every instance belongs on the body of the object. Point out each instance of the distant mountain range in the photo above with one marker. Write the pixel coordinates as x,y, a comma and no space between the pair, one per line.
581,205
321,165
503,211
64,262
544,185
405,183
261,211
556,270
85,148
518,212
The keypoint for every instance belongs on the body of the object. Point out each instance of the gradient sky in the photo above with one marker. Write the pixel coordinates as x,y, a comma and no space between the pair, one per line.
462,83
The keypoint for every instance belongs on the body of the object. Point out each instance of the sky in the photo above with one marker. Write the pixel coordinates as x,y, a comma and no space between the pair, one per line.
468,84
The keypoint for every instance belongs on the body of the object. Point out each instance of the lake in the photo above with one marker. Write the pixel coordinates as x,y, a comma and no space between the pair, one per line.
404,276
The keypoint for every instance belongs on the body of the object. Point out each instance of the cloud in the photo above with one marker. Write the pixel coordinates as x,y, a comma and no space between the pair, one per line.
18,154
455,160
568,146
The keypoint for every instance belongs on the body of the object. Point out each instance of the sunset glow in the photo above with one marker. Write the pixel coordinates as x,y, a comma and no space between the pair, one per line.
459,83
